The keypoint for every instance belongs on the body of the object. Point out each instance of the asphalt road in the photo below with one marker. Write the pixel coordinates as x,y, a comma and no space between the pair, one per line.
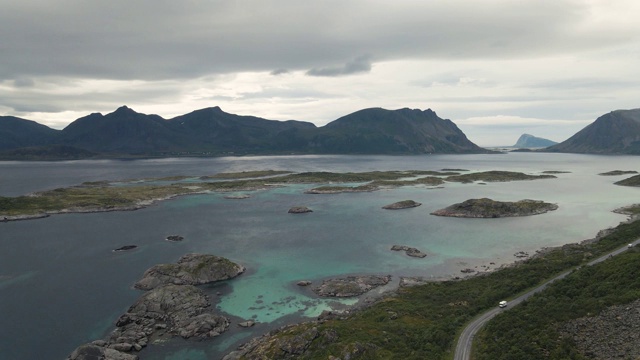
463,347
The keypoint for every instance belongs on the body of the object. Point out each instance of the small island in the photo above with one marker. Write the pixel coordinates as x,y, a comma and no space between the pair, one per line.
191,269
487,208
404,204
410,251
496,176
174,238
618,172
299,210
632,181
125,248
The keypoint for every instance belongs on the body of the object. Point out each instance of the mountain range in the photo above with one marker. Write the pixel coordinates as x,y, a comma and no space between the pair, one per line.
211,131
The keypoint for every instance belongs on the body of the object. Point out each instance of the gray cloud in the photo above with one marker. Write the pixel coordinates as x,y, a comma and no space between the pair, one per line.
279,72
23,82
361,64
149,39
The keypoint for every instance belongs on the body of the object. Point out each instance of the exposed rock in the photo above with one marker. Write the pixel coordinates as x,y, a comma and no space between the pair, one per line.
237,197
613,334
351,285
95,352
487,208
405,204
303,283
411,251
299,210
175,238
289,342
191,269
246,324
521,254
170,310
126,247
467,271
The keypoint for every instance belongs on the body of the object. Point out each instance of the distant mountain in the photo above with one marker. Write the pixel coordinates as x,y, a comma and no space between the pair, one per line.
212,131
530,141
16,133
617,132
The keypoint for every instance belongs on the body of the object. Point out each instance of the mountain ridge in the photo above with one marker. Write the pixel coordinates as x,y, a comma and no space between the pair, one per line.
617,132
211,131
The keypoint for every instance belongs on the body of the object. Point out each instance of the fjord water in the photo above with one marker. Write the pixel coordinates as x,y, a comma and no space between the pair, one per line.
61,285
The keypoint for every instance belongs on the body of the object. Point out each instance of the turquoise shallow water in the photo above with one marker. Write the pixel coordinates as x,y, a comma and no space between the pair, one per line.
60,282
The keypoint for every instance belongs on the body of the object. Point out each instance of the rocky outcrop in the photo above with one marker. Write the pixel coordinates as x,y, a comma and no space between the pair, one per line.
191,269
487,208
351,285
405,204
299,210
613,334
166,311
237,197
411,251
93,352
174,238
170,310
125,248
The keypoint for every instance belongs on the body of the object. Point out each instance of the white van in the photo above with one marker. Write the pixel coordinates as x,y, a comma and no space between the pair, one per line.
502,304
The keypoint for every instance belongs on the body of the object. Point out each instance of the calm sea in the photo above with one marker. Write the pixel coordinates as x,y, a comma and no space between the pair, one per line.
61,285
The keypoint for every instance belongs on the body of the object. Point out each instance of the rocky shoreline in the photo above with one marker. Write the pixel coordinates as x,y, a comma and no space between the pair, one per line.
172,307
350,286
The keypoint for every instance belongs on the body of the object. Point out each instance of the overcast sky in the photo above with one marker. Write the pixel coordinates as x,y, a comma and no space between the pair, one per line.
497,68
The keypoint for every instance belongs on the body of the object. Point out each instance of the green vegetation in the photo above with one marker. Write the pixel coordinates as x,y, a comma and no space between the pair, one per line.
496,176
618,172
556,172
533,329
421,322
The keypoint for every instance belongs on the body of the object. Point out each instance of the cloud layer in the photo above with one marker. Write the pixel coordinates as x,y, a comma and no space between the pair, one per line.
564,59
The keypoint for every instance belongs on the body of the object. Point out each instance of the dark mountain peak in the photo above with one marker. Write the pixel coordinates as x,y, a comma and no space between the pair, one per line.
124,110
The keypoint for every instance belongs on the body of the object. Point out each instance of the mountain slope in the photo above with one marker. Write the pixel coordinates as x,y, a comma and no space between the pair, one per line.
376,130
530,141
617,132
16,133
122,131
214,129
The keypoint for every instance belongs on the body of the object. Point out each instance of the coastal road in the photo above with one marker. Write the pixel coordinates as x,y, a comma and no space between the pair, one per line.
463,347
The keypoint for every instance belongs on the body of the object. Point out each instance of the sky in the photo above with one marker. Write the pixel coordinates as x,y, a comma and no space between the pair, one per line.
496,68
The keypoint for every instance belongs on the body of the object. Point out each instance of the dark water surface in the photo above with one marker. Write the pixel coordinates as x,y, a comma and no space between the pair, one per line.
61,285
